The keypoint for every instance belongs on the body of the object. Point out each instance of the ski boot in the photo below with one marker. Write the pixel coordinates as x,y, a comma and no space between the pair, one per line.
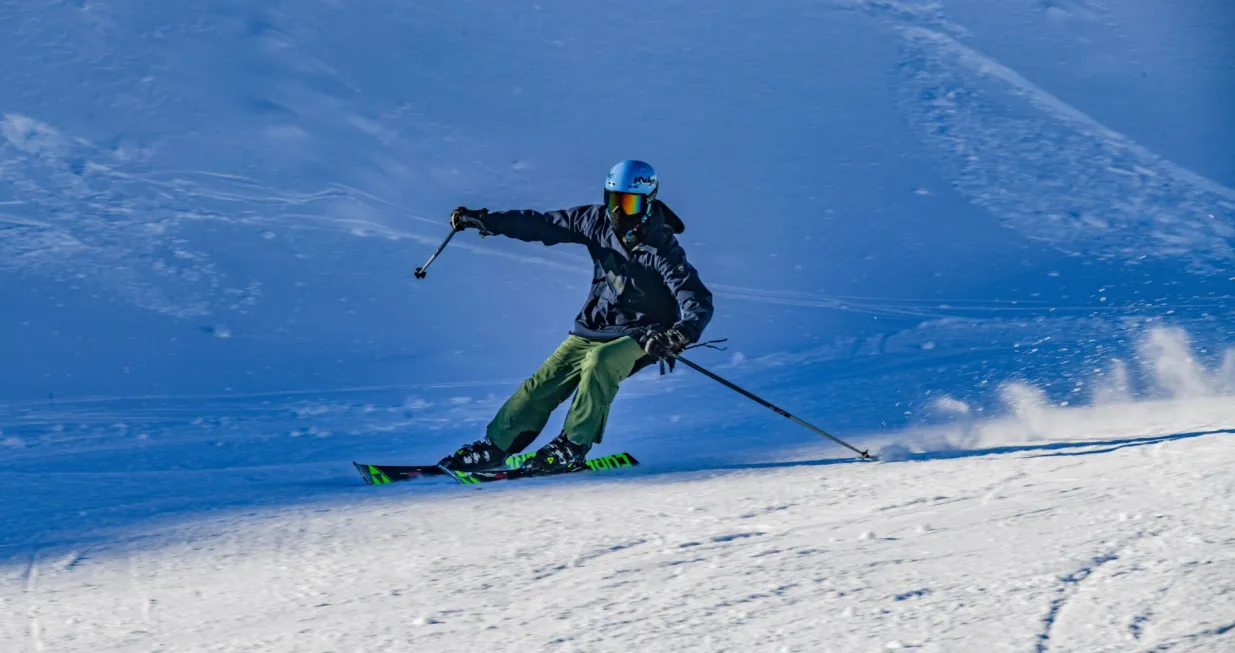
478,456
560,455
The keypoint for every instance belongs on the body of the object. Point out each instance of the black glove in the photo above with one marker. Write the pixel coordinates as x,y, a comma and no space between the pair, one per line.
465,218
666,344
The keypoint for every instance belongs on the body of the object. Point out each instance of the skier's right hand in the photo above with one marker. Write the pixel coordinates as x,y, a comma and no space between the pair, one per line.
465,218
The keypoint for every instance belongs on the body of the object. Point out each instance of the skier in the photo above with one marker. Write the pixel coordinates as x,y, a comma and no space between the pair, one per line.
646,304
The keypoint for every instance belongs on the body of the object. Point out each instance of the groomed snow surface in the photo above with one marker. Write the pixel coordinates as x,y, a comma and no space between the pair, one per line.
1116,536
915,215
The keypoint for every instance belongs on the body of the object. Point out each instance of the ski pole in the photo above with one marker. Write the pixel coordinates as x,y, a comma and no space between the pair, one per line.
421,272
779,411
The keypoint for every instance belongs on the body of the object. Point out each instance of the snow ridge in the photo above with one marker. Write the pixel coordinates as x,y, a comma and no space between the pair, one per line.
1052,172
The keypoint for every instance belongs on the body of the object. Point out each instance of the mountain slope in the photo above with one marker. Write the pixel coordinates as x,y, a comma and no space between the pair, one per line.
991,240
1103,544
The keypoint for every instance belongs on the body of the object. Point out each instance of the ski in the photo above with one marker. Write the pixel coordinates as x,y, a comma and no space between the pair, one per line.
387,474
612,461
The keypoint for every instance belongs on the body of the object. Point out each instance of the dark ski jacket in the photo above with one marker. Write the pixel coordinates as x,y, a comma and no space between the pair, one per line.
649,287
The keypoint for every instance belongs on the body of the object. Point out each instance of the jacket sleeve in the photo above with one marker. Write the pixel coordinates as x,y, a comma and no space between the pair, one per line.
550,228
694,299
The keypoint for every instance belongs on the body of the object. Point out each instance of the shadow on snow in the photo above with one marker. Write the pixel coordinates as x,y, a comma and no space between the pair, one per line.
74,509
1073,448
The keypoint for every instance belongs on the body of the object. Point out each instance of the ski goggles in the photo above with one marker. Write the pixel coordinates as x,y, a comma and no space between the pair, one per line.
629,204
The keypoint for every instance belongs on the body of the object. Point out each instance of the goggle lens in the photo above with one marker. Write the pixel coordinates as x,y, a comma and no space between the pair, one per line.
629,204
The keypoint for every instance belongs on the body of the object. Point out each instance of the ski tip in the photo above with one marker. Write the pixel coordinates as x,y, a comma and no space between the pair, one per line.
364,473
372,474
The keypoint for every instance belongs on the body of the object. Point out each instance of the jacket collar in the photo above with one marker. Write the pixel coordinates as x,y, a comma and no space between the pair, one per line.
655,231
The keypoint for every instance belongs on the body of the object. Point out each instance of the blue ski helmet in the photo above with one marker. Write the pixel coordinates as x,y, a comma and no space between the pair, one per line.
629,191
631,176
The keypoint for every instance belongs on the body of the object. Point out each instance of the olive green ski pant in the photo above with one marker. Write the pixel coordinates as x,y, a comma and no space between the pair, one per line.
590,369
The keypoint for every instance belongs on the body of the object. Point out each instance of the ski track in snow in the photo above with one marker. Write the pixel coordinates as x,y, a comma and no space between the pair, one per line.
1048,170
1090,548
31,582
99,223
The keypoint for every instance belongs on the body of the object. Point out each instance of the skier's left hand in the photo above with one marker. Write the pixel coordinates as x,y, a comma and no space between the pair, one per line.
666,344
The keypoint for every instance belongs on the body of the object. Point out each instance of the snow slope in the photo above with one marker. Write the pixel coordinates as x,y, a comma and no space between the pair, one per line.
1120,541
235,189
992,240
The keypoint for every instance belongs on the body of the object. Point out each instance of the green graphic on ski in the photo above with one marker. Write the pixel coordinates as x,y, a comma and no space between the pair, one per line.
387,474
612,461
